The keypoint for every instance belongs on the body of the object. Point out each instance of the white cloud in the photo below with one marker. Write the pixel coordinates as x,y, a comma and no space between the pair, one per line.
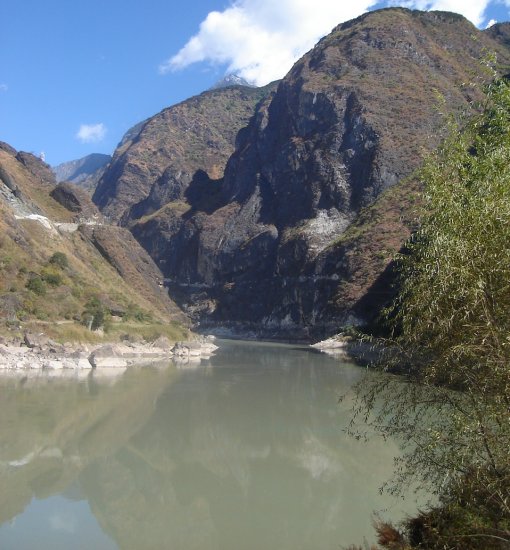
261,39
64,523
473,10
91,133
3,87
490,23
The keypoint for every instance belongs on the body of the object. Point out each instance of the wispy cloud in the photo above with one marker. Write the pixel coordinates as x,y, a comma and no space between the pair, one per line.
91,133
3,87
64,523
474,10
261,39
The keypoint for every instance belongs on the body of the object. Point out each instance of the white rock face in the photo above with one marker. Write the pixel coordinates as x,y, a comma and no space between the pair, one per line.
107,357
54,364
67,360
79,360
43,220
332,343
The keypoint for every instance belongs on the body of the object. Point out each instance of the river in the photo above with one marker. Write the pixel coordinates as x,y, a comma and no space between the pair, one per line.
245,451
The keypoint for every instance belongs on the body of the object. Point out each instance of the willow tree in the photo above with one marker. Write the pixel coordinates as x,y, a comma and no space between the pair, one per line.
451,336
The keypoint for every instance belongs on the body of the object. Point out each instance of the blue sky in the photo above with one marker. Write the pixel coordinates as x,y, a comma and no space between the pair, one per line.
75,75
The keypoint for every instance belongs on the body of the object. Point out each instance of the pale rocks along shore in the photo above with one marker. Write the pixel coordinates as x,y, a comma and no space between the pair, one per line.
347,348
39,353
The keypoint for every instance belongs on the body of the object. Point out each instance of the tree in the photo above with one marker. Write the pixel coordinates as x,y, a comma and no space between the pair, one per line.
450,338
94,315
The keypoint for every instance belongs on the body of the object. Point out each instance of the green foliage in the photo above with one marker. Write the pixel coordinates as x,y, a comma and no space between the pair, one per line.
51,276
138,314
451,327
59,259
37,286
94,314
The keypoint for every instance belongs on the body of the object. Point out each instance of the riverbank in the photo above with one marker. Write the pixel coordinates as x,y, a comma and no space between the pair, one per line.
38,352
348,348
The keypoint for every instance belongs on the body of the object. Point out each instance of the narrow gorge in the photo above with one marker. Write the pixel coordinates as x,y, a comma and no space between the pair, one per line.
289,228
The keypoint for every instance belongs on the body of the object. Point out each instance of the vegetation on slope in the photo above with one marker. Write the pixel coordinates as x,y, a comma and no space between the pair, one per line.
156,160
60,282
451,327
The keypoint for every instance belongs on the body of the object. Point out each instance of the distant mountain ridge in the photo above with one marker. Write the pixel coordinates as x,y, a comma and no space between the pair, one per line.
84,172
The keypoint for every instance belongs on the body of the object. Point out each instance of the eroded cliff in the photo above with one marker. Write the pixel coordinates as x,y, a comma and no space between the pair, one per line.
297,237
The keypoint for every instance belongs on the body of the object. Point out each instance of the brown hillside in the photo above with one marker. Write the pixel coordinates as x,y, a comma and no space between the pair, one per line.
51,268
157,160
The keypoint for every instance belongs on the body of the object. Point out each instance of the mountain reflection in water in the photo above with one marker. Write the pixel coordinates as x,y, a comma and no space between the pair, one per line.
245,450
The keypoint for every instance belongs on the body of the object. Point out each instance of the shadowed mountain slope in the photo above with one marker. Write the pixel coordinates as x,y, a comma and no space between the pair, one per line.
297,238
85,172
156,160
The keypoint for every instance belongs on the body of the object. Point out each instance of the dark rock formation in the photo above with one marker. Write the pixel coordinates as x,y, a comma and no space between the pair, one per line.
75,199
298,236
8,149
156,160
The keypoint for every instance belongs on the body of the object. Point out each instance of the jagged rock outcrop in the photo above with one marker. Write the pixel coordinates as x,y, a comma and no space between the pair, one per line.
37,167
298,236
75,199
155,162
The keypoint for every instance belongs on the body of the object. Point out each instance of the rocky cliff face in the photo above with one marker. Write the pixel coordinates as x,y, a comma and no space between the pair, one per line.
157,159
297,237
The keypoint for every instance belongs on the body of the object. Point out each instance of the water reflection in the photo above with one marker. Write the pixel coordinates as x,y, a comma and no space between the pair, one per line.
245,451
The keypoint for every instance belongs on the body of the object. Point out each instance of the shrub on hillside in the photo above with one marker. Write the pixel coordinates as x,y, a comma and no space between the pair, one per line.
59,259
37,286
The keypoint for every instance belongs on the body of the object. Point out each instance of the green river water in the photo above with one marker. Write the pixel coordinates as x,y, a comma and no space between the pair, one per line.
244,451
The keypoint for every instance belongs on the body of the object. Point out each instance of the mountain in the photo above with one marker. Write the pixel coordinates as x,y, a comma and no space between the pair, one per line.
231,80
57,254
85,172
297,238
157,159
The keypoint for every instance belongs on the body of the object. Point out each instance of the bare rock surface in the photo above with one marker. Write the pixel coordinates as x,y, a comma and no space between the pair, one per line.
297,238
107,356
39,353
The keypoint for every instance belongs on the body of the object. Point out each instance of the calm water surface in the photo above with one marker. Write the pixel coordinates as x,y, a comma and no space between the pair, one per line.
244,451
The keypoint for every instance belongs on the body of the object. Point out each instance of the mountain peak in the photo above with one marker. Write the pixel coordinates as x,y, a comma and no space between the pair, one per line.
231,80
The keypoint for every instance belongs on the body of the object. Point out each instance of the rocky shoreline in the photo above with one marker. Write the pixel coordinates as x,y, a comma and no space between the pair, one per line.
348,348
39,353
